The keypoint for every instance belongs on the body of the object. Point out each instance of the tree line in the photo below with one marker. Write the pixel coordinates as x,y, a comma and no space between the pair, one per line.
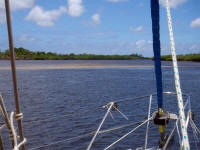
186,57
24,54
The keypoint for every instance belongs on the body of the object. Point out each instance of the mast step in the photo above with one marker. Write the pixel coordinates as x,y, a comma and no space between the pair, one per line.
161,119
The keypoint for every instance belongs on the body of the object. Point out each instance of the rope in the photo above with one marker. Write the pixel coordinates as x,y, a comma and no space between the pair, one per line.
127,134
5,117
19,116
16,146
177,82
13,129
3,126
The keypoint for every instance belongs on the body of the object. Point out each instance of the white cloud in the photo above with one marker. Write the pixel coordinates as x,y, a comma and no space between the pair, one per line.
96,19
140,43
75,8
141,4
173,3
115,1
2,5
25,38
181,48
14,5
2,16
195,23
38,14
18,4
45,17
21,4
137,29
195,47
2,12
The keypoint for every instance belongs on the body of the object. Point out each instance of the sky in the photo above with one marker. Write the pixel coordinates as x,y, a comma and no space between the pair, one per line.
99,26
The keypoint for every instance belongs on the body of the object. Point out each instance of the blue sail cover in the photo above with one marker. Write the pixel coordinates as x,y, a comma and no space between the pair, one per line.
156,49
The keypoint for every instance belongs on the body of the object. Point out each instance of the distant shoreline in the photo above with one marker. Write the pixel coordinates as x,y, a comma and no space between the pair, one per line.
24,54
186,57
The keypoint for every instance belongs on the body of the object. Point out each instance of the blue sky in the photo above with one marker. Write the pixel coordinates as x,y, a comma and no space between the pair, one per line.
99,26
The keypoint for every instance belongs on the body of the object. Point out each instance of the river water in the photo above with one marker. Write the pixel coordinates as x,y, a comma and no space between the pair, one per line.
70,93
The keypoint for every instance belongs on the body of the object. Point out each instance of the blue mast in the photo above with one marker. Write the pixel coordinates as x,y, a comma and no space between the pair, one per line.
156,49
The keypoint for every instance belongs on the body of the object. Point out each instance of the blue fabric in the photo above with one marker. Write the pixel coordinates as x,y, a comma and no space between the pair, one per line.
156,49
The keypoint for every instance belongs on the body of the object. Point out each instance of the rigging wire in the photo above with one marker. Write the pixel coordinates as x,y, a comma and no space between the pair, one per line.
170,136
91,133
61,116
144,122
195,134
91,110
147,128
101,124
88,134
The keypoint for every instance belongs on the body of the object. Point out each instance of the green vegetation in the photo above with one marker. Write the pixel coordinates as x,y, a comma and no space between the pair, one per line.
24,54
187,57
